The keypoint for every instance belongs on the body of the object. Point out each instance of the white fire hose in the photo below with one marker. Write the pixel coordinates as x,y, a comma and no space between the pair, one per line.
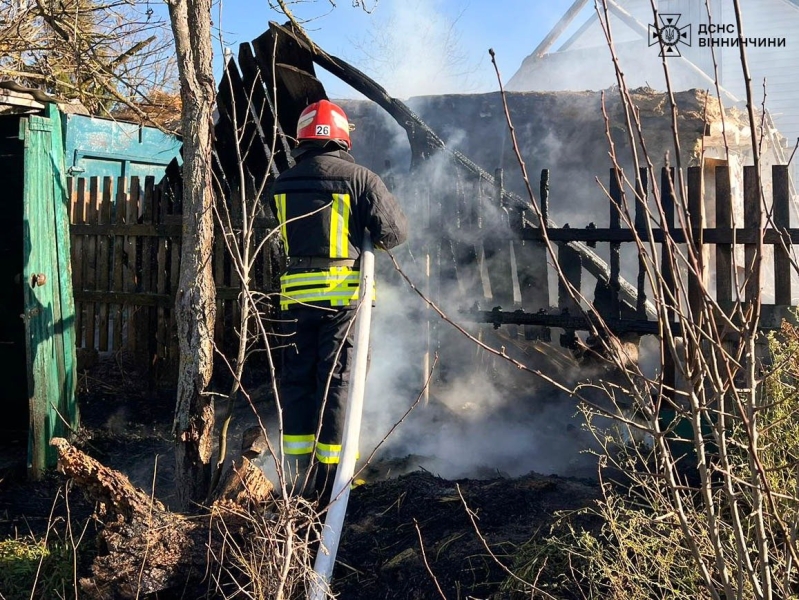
331,534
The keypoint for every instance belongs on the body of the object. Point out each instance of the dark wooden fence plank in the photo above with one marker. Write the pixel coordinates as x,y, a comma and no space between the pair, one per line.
161,276
667,201
90,261
696,213
118,279
782,220
752,221
174,274
132,272
641,219
147,324
615,203
103,263
724,221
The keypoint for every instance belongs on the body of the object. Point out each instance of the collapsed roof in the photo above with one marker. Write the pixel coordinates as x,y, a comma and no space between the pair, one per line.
564,132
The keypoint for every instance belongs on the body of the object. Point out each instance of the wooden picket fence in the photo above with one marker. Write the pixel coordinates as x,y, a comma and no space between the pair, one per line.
126,245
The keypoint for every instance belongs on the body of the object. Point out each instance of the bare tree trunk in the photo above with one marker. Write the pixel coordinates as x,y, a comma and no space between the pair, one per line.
195,302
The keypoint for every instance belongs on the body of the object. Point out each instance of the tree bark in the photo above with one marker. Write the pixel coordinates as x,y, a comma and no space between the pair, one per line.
195,302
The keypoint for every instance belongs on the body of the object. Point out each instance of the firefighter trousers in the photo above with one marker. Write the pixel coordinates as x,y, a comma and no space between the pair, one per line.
317,360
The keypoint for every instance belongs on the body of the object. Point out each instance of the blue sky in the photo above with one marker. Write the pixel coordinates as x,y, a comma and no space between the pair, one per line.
401,42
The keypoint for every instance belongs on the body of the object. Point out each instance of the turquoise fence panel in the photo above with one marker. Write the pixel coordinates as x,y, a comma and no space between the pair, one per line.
97,147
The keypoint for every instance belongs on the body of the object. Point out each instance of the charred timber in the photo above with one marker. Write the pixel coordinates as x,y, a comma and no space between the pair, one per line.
771,319
425,142
587,322
680,236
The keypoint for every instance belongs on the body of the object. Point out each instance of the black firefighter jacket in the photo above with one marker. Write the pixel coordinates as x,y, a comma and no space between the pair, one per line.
323,204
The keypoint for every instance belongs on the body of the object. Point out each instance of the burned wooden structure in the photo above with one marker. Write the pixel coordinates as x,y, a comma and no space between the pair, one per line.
261,96
479,225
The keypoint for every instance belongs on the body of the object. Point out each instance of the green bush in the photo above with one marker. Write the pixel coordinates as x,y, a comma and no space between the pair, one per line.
622,554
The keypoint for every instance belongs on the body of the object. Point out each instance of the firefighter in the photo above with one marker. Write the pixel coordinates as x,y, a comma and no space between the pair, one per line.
324,203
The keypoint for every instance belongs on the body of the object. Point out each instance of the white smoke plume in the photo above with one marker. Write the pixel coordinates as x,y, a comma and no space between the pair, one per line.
412,48
484,417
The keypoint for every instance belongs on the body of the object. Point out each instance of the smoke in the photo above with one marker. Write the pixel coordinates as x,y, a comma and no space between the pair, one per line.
413,48
483,416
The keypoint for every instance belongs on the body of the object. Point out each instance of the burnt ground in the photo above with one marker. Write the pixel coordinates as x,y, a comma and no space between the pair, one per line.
381,553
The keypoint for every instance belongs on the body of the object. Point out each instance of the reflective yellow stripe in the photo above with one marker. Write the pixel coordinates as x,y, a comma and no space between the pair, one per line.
327,298
337,286
334,276
298,444
328,454
280,203
339,226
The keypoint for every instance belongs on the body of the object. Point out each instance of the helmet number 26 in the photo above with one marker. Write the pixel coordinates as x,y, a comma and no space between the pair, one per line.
323,130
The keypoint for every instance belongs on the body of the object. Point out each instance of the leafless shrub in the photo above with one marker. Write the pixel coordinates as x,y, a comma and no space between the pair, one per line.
102,54
274,560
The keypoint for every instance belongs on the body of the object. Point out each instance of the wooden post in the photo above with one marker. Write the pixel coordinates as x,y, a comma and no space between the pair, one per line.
174,274
723,251
696,213
160,276
753,222
641,195
543,189
782,220
615,247
667,198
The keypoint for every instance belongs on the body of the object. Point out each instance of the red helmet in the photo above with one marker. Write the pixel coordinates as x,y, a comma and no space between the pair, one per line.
324,120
